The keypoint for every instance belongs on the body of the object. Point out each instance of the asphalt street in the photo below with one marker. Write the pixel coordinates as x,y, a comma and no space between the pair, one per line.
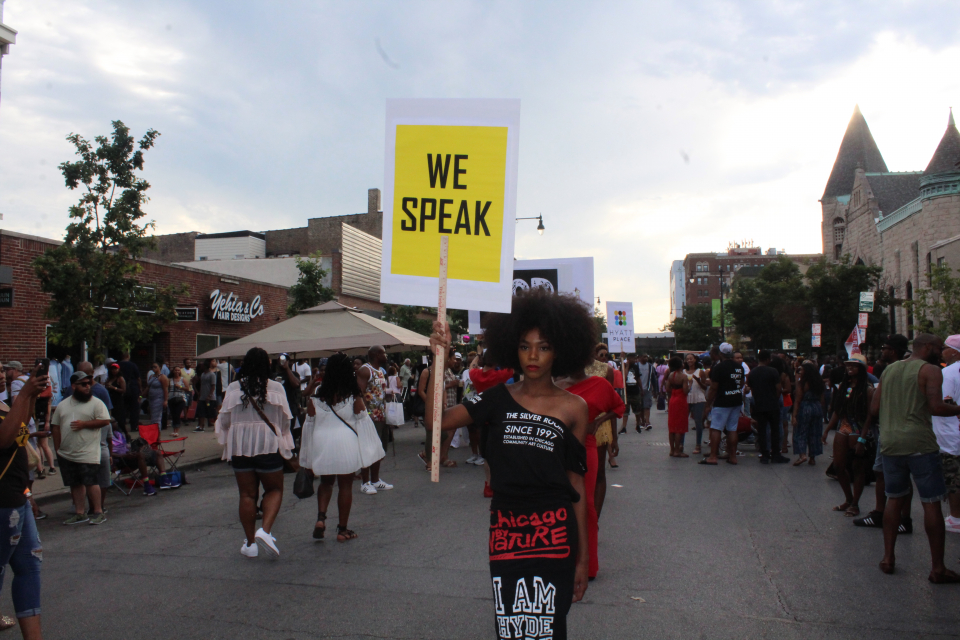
686,551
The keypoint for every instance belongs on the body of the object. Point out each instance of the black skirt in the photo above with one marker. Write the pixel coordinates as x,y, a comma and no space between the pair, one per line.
533,554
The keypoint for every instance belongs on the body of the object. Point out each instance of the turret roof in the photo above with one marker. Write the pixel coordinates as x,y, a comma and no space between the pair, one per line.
857,150
947,155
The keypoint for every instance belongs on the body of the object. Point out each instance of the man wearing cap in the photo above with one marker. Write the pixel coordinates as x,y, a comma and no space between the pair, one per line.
947,430
76,435
909,395
724,401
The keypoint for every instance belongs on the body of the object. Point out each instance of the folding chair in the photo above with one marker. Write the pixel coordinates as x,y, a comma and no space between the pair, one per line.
128,479
151,433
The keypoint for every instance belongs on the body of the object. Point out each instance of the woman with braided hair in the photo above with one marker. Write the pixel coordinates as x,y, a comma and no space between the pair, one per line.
850,409
254,427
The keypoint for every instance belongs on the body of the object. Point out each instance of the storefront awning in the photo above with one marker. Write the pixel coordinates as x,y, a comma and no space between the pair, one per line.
322,331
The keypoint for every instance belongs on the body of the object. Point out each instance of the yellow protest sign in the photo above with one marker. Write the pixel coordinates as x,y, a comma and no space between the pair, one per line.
450,171
456,188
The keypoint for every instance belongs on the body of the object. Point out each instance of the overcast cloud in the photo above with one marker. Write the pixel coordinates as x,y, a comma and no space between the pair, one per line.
648,130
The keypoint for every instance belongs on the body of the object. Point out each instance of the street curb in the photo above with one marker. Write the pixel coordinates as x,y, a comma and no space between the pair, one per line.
64,493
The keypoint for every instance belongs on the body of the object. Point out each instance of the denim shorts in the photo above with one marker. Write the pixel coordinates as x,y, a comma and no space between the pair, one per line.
20,548
263,463
927,473
724,418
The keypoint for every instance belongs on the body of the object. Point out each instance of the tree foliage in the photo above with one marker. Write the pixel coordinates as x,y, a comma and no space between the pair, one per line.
834,291
420,319
780,303
937,309
601,321
309,290
92,277
695,330
771,306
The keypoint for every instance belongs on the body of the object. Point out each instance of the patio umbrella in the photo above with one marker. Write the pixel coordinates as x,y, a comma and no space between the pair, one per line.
322,331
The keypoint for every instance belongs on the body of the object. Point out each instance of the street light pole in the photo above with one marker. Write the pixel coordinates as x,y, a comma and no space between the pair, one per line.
540,227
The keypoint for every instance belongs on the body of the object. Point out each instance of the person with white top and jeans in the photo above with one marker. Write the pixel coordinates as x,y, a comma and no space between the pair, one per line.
254,427
947,430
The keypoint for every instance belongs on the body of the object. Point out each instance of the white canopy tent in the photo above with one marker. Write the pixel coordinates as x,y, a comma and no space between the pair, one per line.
322,331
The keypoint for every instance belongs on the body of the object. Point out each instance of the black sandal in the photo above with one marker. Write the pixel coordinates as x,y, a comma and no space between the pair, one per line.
319,531
344,534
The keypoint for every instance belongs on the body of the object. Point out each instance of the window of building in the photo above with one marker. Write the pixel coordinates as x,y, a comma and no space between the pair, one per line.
941,261
893,310
909,311
838,230
206,342
203,257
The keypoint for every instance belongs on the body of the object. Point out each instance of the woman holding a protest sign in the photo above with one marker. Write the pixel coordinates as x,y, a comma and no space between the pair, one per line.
532,435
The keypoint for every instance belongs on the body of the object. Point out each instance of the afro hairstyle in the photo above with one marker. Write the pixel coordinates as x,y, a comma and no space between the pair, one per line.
562,319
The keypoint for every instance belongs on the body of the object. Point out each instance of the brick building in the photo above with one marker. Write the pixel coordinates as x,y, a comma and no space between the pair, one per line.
704,272
23,307
904,222
349,244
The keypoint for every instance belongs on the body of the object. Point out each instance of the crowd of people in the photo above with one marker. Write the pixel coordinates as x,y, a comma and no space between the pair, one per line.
539,408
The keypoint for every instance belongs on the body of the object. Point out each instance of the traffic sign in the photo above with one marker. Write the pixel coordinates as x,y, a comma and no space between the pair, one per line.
866,301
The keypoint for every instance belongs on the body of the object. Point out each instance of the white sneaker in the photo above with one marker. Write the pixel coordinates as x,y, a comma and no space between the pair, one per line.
249,550
267,542
368,488
952,524
380,485
471,459
479,461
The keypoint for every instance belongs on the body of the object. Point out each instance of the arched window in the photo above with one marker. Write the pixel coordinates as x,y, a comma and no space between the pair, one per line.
839,229
909,310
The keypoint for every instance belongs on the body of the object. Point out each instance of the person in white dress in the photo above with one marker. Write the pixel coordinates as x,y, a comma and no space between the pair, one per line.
339,438
254,428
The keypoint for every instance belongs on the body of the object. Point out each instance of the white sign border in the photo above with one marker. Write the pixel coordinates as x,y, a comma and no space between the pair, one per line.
461,294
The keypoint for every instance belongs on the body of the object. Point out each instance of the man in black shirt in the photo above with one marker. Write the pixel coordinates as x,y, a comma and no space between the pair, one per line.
724,403
131,398
764,382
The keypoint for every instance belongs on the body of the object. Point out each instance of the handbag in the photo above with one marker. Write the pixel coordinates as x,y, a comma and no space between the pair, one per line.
394,414
303,483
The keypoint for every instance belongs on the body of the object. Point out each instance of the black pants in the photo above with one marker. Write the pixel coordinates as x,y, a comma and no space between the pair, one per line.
131,405
764,420
175,407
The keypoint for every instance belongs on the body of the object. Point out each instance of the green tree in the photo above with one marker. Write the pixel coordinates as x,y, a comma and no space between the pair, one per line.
96,296
834,291
695,330
601,321
409,317
771,306
937,309
309,290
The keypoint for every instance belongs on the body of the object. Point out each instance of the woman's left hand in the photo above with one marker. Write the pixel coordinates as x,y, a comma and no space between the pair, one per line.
580,581
794,421
615,448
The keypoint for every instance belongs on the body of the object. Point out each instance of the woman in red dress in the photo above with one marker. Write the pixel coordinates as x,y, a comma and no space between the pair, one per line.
603,403
678,385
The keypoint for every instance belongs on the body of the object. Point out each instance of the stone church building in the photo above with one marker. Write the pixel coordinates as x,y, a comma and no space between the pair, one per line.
903,221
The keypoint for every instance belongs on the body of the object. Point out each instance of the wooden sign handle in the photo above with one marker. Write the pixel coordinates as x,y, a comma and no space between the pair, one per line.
439,366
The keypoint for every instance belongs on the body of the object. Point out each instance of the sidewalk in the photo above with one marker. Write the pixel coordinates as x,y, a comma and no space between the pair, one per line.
201,449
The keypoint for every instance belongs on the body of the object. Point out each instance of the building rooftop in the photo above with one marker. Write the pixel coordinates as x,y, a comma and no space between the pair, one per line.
947,155
893,190
857,150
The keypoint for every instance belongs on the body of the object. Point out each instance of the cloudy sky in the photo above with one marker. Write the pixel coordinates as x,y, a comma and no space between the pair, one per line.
649,130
